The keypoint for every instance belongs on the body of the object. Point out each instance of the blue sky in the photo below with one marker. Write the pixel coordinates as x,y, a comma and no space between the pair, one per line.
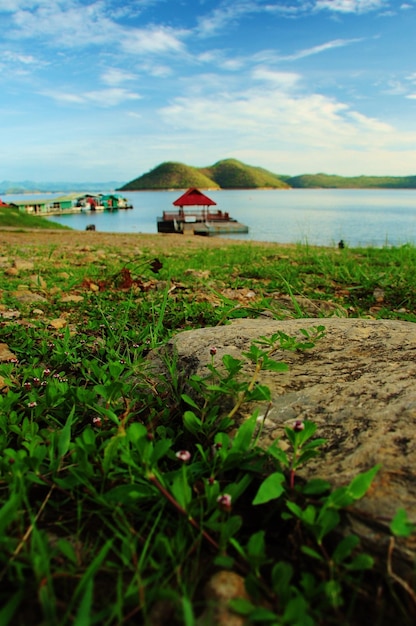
103,90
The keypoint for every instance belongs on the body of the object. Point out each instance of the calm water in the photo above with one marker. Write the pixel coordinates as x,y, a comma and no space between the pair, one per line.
319,217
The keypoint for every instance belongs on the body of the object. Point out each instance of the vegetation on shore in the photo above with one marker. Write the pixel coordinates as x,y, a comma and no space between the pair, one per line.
326,181
121,491
11,217
233,174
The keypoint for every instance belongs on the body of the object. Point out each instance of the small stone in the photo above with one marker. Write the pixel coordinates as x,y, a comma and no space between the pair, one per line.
38,281
219,590
21,264
58,323
11,271
5,353
9,315
73,298
27,297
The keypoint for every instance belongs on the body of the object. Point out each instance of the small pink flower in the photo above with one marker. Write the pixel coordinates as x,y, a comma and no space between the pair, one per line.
213,351
97,421
224,502
32,405
183,455
298,426
47,372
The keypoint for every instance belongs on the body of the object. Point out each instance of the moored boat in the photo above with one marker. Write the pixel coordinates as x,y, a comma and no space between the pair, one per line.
202,220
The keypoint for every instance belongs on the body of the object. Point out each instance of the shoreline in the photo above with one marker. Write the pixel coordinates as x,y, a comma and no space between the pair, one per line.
159,241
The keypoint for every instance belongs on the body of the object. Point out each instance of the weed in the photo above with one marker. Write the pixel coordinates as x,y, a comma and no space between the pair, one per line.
121,495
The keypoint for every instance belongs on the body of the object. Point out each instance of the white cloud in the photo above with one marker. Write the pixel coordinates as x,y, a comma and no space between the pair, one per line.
275,115
227,13
284,80
116,76
153,40
25,59
101,97
350,6
329,45
69,25
74,25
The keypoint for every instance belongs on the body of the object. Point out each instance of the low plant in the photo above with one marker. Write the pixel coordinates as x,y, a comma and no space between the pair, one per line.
122,494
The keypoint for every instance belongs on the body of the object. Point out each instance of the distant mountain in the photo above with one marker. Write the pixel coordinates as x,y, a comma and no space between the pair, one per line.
170,175
30,186
328,181
232,174
226,174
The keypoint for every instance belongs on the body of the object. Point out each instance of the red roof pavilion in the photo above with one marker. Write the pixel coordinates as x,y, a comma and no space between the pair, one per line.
194,197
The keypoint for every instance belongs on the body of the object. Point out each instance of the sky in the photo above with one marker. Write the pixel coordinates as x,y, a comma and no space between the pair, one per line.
97,90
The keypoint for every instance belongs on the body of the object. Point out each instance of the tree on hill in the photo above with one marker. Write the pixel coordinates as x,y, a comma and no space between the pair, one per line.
170,175
226,174
233,174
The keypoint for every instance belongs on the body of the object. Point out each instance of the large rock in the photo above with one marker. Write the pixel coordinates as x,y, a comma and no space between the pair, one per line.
358,385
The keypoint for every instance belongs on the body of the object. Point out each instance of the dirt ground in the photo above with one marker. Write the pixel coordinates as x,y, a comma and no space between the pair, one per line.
153,242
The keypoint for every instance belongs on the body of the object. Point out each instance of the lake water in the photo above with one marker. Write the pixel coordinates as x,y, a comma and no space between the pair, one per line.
317,217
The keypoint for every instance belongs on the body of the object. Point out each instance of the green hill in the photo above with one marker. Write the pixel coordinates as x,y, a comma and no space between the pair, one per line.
13,218
328,181
170,175
226,174
232,174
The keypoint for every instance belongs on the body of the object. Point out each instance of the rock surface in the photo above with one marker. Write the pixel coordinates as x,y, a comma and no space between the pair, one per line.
358,385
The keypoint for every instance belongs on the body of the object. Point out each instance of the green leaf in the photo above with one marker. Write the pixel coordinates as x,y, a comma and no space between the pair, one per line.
273,366
82,618
192,423
305,456
224,562
400,525
312,553
187,612
65,434
270,489
241,606
232,365
189,401
359,486
277,453
230,528
8,512
360,563
181,490
316,487
345,548
295,509
245,434
260,393
256,544
328,519
8,610
135,432
282,574
160,449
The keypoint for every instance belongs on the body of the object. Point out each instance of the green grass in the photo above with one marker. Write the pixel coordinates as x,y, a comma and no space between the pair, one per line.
102,521
13,218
